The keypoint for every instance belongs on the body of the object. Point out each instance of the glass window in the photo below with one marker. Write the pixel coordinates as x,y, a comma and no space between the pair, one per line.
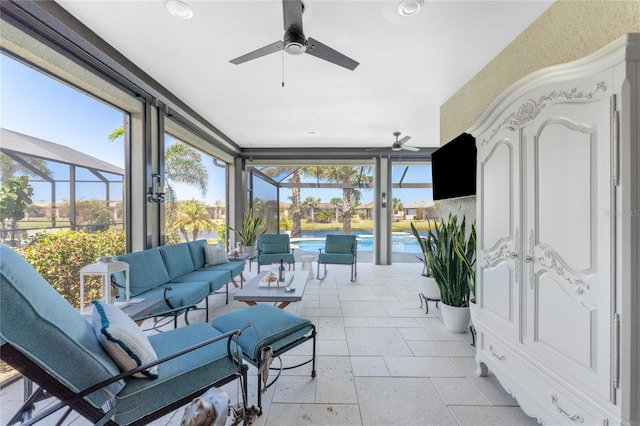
195,187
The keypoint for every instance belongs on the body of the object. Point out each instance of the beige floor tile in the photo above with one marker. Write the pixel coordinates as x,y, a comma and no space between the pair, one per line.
294,389
314,414
334,383
369,366
330,328
376,341
441,348
458,391
363,309
422,367
401,401
491,416
414,334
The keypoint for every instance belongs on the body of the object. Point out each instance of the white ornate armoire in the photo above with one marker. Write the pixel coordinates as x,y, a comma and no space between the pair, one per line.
558,215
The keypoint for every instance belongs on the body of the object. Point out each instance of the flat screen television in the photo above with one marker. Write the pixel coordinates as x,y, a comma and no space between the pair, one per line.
453,168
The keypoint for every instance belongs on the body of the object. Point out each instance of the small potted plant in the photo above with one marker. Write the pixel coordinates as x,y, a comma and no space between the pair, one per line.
452,260
251,229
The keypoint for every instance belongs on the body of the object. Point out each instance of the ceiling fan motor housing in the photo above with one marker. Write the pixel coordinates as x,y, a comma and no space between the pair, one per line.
294,42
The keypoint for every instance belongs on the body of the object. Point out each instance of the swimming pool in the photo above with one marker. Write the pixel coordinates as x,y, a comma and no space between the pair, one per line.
402,242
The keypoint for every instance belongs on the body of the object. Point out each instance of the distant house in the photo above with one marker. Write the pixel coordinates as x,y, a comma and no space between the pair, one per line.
418,210
365,211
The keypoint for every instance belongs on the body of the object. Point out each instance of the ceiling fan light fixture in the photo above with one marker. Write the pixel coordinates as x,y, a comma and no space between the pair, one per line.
179,9
294,43
410,7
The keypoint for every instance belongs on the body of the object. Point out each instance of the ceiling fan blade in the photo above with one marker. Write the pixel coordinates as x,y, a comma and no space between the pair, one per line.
292,14
403,140
410,148
263,51
319,50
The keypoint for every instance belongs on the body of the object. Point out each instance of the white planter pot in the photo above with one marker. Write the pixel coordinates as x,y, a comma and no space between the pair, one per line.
250,250
473,312
455,319
431,289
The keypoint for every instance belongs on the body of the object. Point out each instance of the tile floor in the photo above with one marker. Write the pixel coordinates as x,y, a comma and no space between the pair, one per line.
381,361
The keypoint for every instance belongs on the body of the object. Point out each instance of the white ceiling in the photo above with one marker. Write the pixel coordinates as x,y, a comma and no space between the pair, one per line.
409,66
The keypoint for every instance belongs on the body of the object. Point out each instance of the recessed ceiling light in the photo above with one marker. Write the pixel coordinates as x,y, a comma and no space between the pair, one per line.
410,7
179,9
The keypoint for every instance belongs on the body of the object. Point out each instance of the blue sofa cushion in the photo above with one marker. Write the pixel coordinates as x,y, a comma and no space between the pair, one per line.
214,278
345,259
271,248
234,268
177,259
268,326
181,294
146,271
36,320
196,249
266,259
179,376
342,245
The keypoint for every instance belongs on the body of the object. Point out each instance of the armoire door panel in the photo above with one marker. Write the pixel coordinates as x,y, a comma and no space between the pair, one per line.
497,291
497,180
564,324
497,285
564,192
568,181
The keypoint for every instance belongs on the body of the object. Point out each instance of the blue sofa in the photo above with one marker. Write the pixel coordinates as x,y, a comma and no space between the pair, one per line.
178,273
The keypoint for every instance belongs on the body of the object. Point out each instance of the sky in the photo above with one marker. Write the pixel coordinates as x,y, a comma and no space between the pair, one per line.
37,105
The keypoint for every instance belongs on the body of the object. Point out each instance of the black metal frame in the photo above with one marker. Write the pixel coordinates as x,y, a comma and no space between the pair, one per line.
276,354
75,400
354,266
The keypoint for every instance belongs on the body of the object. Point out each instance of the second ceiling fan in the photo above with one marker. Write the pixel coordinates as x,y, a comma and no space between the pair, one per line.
295,42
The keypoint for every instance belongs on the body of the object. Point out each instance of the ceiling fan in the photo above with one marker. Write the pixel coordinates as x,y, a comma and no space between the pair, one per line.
295,42
399,144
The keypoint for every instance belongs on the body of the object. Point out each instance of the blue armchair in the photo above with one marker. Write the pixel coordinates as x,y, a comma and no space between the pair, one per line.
339,250
49,342
272,248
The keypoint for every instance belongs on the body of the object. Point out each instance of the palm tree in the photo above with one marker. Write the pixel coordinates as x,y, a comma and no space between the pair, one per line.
312,204
192,217
396,205
295,173
182,165
351,178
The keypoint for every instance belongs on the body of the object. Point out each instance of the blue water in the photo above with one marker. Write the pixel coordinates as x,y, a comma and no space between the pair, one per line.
400,242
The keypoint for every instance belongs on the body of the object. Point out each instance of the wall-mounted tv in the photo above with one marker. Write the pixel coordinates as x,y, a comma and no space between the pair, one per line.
453,168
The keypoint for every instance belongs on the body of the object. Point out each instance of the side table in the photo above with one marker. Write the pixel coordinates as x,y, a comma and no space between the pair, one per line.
307,263
241,257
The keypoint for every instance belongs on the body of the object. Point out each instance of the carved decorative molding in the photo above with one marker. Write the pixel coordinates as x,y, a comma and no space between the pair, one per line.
501,252
516,268
532,242
550,260
531,108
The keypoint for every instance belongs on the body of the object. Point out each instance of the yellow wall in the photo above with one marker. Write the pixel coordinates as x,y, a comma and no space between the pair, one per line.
568,30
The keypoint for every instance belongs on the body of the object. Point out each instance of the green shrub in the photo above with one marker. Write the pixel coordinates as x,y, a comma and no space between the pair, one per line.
59,256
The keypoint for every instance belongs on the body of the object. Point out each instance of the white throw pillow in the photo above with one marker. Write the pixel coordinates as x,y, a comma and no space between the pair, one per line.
123,340
215,254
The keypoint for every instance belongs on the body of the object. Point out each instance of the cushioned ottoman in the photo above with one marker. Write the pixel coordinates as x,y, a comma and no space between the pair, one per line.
268,327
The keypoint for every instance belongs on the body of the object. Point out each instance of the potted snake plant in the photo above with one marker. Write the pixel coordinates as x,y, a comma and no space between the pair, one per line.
431,291
251,229
452,259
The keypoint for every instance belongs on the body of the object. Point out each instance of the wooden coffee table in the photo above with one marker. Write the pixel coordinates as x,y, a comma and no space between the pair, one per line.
252,294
